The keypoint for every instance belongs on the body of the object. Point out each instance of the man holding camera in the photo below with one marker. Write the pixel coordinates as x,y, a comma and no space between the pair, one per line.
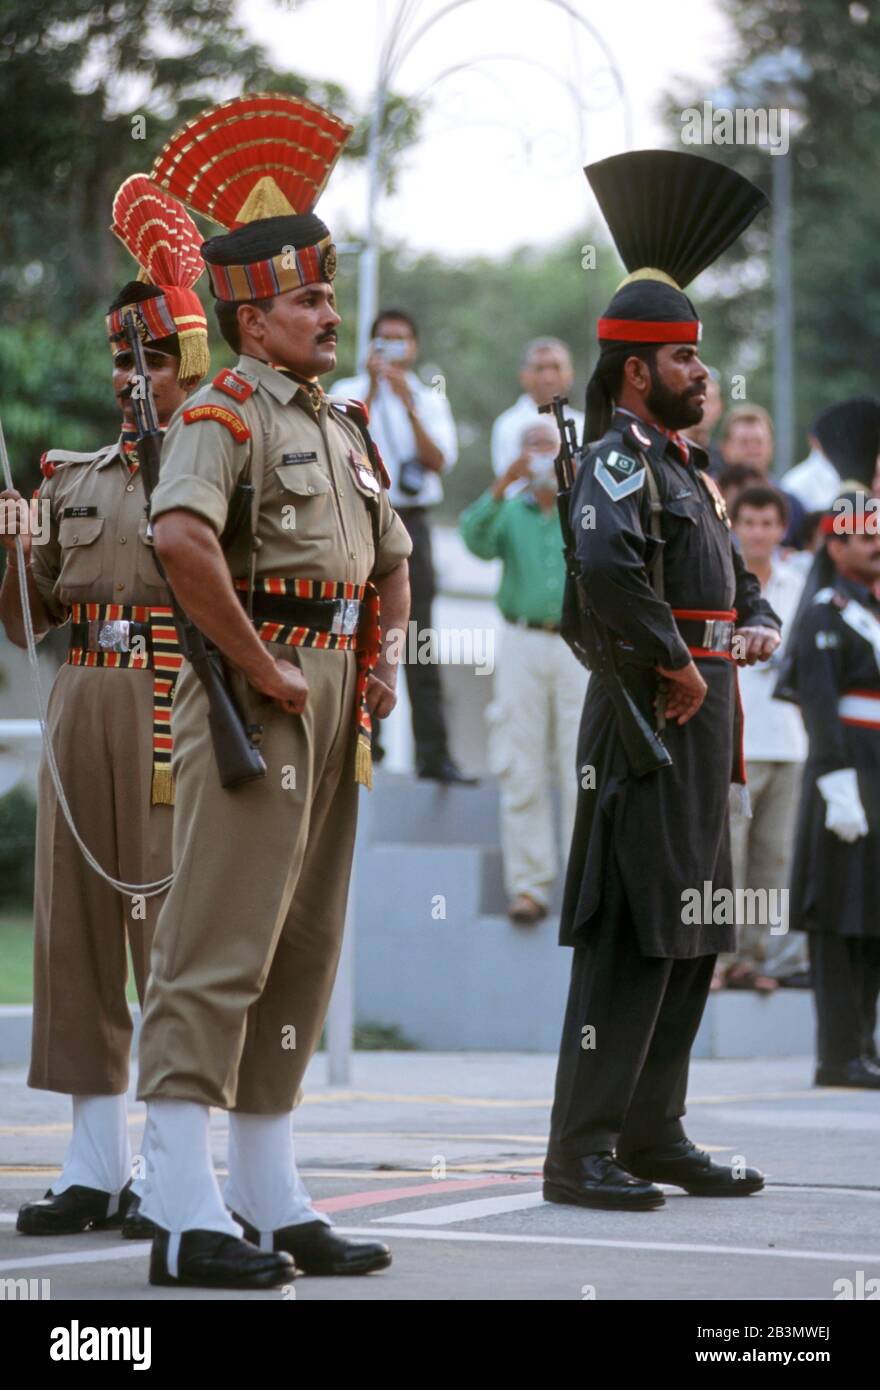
414,429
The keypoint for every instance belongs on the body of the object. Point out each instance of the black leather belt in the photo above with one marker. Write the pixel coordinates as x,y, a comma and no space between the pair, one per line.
710,634
103,635
339,615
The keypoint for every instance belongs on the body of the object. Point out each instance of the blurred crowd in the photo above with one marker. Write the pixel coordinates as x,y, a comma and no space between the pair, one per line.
539,688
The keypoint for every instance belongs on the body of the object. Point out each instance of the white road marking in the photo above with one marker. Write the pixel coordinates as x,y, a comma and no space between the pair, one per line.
669,1247
464,1211
81,1257
138,1249
452,1212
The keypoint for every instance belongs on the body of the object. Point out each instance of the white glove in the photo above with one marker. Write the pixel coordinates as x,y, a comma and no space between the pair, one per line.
844,812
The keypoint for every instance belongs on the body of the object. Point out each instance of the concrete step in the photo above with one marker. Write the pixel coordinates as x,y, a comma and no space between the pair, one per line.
405,810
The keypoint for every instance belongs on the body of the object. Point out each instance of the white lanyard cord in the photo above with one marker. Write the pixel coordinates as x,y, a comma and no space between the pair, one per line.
132,890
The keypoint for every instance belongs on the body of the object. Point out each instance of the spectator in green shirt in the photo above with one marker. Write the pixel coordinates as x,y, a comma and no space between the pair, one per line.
539,685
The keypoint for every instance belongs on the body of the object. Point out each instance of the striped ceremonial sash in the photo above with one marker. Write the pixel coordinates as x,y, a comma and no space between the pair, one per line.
161,654
366,642
860,708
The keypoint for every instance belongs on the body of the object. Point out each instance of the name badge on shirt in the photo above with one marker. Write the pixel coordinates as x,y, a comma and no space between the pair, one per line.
307,457
78,511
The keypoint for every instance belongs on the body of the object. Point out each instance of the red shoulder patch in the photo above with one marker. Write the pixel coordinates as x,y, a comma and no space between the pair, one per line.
46,468
221,416
233,385
359,409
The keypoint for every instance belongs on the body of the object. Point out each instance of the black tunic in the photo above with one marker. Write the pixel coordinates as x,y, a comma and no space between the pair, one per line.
834,884
668,832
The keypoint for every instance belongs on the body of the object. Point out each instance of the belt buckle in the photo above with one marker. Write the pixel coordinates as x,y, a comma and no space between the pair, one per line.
345,617
717,634
111,636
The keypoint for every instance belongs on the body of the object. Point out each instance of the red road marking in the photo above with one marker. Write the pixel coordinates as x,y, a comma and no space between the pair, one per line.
422,1189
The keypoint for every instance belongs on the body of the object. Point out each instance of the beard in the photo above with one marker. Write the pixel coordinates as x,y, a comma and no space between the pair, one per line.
675,411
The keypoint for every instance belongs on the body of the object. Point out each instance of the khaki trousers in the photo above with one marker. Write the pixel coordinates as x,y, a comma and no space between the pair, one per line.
534,722
101,725
247,943
761,850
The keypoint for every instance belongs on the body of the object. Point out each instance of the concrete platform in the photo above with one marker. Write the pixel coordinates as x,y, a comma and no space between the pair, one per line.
440,1156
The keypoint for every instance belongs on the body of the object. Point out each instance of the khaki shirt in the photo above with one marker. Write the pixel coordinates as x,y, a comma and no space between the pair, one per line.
314,518
97,549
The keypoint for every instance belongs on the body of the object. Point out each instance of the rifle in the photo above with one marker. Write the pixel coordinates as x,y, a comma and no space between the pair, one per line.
586,635
238,760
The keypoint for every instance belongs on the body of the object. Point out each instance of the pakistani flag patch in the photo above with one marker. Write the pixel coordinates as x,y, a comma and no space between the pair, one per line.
619,474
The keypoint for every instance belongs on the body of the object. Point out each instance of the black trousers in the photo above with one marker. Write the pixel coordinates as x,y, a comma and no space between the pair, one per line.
846,983
627,1092
422,680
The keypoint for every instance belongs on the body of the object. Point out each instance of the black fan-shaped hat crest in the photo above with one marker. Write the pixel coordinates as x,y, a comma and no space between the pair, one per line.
672,211
849,434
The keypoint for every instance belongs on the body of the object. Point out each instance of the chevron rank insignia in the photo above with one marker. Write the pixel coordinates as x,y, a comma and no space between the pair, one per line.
619,474
219,413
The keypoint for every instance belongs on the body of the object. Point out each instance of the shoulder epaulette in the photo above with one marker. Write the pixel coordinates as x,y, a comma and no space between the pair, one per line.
358,409
635,436
830,596
63,458
233,385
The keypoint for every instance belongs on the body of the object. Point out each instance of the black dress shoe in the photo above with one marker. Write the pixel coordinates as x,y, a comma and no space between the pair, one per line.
597,1180
317,1249
134,1225
861,1072
68,1213
446,771
215,1260
684,1165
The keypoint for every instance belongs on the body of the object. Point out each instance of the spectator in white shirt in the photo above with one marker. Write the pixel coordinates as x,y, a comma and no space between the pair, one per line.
815,482
413,427
546,371
775,749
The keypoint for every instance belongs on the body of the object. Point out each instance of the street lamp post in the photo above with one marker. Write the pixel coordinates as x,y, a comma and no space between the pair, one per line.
393,52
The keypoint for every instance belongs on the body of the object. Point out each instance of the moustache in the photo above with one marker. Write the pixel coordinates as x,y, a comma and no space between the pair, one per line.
328,337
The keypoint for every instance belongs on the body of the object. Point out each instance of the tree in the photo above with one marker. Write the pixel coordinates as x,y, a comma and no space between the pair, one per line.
90,90
835,133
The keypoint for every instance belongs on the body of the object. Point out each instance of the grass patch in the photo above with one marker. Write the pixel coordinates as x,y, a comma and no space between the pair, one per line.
17,959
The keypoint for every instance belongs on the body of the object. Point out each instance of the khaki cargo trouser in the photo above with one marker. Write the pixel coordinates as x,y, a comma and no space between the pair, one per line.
246,947
101,724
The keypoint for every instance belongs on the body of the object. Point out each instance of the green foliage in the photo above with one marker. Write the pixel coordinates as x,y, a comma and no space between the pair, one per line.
835,132
18,816
68,72
16,958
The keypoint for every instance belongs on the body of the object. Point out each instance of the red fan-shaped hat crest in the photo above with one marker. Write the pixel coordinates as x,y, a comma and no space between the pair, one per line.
159,233
165,242
256,156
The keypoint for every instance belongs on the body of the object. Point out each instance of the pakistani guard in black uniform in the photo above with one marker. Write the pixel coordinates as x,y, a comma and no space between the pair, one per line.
833,672
676,606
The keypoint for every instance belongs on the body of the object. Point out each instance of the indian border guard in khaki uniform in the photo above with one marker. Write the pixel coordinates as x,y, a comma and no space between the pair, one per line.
109,721
246,946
